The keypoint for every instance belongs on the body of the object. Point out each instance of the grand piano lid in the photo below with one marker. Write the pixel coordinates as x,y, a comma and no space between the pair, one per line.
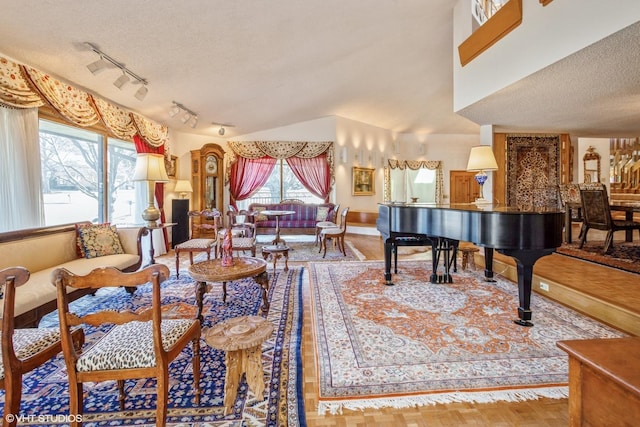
473,207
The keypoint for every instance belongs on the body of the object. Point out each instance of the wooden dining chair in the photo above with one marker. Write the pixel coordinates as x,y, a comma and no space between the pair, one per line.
23,350
140,344
597,215
320,225
335,233
206,223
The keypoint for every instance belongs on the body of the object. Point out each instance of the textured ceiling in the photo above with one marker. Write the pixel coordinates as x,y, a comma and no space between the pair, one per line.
259,65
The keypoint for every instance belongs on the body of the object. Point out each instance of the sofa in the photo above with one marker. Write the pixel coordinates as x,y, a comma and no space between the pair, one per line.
42,250
303,221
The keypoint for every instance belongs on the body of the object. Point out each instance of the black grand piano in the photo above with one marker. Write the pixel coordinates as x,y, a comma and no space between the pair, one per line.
523,235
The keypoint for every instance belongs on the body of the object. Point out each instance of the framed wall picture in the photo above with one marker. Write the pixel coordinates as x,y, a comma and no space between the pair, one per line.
363,182
171,164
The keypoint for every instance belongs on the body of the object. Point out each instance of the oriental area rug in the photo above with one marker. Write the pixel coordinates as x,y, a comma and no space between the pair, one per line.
45,390
623,255
418,343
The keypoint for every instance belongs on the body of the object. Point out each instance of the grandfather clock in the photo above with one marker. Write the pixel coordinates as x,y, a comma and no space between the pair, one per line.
207,179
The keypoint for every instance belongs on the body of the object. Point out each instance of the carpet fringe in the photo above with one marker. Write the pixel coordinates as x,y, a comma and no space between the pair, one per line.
398,402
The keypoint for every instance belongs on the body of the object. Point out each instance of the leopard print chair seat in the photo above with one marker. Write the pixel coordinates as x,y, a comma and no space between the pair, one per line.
27,348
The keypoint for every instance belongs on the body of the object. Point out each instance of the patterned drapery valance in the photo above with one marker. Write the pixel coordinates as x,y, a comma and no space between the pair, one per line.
26,87
279,150
414,164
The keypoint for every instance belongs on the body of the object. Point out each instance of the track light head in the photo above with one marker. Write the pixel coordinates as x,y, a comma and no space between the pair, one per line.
221,131
120,81
195,122
174,110
142,92
98,66
185,118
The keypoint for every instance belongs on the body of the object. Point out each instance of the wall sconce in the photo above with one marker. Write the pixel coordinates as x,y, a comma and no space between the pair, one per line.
344,154
396,147
107,61
150,168
360,157
183,187
481,159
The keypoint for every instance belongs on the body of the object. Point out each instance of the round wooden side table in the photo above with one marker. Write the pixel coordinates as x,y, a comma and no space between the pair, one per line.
241,339
213,271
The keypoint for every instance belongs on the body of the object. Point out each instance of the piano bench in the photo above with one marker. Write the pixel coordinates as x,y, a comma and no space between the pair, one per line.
468,256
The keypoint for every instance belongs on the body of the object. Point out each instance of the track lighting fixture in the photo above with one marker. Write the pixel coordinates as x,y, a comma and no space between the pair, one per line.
222,127
142,92
120,81
188,115
99,65
106,61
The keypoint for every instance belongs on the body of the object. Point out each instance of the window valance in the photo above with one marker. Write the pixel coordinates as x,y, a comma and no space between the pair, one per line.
26,87
280,149
414,164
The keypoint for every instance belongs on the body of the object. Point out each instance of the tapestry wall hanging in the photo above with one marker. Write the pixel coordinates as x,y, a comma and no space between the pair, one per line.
533,170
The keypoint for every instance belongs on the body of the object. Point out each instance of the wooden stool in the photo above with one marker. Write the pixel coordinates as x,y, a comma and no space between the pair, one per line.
276,251
467,256
241,339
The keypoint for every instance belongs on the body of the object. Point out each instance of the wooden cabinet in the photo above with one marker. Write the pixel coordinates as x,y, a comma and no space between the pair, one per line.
604,381
207,179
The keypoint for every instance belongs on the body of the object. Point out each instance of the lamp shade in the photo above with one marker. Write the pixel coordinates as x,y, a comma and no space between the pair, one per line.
150,167
481,158
183,186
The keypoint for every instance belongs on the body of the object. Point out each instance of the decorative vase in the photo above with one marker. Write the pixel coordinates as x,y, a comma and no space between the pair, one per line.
227,249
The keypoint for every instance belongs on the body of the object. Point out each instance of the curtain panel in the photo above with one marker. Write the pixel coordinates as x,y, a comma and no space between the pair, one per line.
26,87
20,169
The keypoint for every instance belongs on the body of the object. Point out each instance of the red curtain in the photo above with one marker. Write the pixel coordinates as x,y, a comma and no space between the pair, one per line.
313,174
248,175
143,147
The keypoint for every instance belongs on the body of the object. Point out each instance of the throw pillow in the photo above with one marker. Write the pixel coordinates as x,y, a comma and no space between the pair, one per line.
79,245
259,216
99,240
323,213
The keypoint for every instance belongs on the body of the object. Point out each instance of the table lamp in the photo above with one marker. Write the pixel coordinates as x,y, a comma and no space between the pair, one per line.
183,187
481,159
150,168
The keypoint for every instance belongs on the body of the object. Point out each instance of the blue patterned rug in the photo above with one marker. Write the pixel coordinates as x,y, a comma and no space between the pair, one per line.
45,391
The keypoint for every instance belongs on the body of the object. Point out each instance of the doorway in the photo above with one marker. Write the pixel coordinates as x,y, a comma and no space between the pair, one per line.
464,188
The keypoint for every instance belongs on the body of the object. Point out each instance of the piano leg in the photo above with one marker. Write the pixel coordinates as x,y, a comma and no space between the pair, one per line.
435,260
388,249
488,265
525,261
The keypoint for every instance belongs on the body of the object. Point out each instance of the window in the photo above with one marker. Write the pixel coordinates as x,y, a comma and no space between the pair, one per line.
80,182
282,184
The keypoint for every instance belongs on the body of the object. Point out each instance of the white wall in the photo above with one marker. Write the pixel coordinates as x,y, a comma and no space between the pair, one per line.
545,36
